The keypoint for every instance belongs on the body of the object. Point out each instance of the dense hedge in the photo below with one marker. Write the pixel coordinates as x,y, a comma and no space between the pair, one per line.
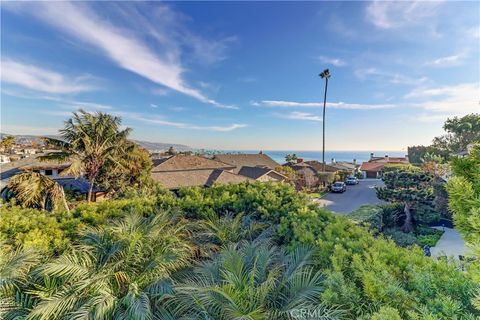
366,275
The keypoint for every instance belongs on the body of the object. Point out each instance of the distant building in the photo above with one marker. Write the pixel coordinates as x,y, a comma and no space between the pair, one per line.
307,175
257,166
374,167
51,170
179,171
4,158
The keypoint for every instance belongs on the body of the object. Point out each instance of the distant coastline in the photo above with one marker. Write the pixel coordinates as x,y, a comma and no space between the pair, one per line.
359,156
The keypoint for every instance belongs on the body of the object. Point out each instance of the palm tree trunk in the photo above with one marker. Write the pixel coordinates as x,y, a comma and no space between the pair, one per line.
90,190
407,225
65,203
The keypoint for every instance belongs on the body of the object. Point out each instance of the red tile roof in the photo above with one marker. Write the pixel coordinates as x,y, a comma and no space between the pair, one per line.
372,166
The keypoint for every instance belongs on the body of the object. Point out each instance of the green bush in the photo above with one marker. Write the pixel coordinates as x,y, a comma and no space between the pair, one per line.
368,215
31,228
400,238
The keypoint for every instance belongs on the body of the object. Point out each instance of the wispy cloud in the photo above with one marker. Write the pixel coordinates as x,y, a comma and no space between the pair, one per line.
447,61
153,105
337,62
395,14
395,78
457,99
181,125
43,80
296,115
124,47
334,105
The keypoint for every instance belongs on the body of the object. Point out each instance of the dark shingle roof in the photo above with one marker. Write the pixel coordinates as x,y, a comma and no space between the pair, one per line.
247,160
187,162
195,178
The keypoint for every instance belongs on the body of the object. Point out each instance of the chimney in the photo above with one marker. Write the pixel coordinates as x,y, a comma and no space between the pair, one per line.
386,157
371,156
333,160
261,152
354,161
299,160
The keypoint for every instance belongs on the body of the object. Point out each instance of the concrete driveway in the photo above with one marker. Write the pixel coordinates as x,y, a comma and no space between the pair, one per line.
450,244
354,197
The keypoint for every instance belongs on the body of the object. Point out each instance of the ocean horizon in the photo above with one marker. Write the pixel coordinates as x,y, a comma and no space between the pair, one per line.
359,156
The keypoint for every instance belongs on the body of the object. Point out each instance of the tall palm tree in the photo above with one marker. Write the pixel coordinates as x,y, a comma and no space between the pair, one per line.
117,272
248,281
89,140
35,190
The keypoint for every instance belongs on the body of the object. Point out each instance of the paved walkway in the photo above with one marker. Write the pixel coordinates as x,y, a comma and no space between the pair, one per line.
450,244
354,197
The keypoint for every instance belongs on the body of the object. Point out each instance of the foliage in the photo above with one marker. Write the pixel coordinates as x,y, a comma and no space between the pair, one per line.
251,280
464,202
120,271
7,142
90,141
288,172
362,274
410,187
34,229
34,190
291,157
386,313
131,170
400,238
461,131
370,216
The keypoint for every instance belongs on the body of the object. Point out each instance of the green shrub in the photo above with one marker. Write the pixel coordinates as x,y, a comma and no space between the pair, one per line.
368,215
400,238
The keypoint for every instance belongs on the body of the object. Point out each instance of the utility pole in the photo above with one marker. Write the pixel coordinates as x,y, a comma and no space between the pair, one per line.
324,75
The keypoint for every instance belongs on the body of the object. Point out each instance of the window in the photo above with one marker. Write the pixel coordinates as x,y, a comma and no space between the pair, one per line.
48,172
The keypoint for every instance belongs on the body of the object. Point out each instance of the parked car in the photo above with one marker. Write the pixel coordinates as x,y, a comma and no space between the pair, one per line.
338,187
351,180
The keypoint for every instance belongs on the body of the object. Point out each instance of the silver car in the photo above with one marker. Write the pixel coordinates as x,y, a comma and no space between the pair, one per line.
338,187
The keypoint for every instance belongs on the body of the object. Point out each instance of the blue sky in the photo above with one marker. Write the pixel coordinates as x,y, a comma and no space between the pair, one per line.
244,75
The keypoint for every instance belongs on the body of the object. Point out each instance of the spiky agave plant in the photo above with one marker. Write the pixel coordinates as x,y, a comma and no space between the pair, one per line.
117,272
250,280
35,190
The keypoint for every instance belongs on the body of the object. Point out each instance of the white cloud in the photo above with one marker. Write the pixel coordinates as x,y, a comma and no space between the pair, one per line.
152,105
295,115
124,47
337,62
148,118
395,14
448,61
394,78
334,105
457,99
43,80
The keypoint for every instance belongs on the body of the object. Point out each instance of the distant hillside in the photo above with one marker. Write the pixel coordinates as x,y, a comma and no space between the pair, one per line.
150,146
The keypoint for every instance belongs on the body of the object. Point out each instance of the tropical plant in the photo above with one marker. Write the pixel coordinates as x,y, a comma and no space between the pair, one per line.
32,189
464,201
461,131
118,271
14,268
251,280
7,142
131,170
89,140
409,186
291,157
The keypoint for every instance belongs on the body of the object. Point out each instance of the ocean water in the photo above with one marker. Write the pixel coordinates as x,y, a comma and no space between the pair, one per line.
360,156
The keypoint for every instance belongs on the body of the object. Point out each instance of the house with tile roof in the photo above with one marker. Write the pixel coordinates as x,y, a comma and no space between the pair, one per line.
257,166
374,167
179,171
